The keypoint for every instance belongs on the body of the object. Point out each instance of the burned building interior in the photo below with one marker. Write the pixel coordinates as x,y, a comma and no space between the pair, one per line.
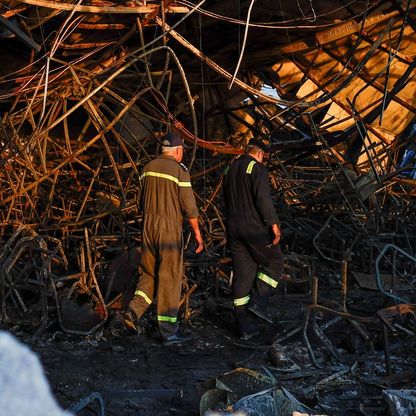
86,89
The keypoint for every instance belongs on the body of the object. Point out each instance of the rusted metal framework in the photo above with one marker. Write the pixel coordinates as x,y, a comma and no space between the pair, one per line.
87,87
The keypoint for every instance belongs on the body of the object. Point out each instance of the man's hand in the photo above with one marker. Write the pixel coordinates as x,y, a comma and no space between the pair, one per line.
276,233
199,242
197,234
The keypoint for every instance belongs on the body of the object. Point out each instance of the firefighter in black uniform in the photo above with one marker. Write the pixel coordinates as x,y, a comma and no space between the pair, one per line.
253,235
166,196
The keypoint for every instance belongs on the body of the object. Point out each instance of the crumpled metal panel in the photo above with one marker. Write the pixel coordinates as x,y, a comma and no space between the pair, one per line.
401,402
273,402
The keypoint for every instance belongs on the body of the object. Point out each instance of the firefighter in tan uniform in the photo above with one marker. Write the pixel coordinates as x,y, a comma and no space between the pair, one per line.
166,197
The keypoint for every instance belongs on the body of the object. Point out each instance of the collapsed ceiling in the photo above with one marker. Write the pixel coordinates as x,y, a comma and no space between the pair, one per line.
88,86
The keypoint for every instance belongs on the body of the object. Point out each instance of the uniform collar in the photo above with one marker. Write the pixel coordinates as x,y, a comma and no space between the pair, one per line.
163,156
251,158
246,156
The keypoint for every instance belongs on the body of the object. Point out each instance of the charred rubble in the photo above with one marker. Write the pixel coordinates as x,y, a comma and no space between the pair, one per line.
86,89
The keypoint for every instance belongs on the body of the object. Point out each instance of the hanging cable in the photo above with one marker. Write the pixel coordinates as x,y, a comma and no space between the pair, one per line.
306,17
244,44
283,24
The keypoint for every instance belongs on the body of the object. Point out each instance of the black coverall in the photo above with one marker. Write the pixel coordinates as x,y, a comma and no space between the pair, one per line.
257,264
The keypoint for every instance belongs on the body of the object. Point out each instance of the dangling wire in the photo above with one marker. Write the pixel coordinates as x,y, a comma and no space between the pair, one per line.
244,44
306,17
203,103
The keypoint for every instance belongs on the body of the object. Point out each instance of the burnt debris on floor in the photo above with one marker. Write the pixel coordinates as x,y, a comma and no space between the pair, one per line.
86,90
337,351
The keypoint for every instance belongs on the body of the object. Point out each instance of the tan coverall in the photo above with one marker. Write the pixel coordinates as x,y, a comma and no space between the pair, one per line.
166,196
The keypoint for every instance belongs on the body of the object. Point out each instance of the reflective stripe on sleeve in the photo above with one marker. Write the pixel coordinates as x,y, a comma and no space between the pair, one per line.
185,184
143,295
242,301
168,177
169,319
250,167
273,283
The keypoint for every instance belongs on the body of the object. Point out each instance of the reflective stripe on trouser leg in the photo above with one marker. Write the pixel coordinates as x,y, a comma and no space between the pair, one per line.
170,319
170,273
143,295
244,275
241,314
268,275
241,301
267,279
264,288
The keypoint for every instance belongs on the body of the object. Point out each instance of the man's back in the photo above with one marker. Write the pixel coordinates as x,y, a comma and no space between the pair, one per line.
247,193
165,190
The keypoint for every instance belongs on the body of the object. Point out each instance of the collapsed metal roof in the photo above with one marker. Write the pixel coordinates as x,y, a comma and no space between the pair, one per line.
252,68
87,87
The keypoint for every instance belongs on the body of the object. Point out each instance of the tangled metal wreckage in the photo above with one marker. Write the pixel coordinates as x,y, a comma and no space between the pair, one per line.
88,86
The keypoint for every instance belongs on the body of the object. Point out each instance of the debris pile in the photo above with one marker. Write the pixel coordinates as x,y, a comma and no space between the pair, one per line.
86,90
